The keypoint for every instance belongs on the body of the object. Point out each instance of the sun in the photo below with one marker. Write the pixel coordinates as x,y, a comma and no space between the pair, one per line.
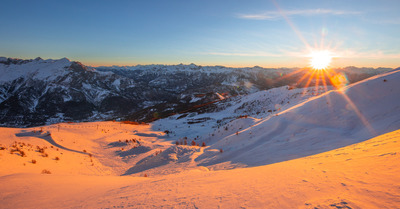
320,59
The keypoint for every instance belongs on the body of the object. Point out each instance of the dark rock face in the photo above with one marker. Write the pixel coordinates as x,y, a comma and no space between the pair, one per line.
37,92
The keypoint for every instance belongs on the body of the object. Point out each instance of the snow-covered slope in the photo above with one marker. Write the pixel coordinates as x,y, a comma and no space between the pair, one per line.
332,120
206,121
363,175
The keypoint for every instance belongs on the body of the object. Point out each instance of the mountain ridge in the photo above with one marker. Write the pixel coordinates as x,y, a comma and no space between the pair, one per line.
35,92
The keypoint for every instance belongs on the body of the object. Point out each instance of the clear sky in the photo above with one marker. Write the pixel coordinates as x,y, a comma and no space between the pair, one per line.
268,33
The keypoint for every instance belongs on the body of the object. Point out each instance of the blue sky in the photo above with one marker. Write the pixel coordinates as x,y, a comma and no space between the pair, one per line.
267,33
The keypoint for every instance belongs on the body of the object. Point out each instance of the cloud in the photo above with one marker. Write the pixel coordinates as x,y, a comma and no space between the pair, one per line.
342,54
392,21
257,54
370,55
272,15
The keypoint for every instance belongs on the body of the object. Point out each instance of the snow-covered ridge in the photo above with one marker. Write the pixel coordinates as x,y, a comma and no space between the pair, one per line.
38,68
165,69
335,119
196,68
217,68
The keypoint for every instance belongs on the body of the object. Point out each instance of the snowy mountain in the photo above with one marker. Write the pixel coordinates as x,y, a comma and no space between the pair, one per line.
321,150
36,92
40,91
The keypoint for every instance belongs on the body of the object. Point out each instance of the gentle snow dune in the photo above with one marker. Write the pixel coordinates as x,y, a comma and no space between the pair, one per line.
332,120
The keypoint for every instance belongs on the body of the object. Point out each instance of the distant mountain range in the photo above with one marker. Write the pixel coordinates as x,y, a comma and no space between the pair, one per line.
36,92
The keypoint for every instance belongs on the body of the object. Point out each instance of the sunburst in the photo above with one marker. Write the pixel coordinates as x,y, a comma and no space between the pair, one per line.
319,69
320,59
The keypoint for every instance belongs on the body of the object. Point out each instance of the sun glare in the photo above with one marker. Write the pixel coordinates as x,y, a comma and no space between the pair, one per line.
320,59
